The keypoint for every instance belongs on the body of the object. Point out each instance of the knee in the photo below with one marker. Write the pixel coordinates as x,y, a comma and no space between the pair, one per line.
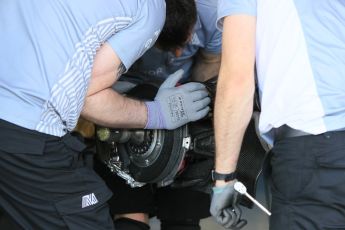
130,224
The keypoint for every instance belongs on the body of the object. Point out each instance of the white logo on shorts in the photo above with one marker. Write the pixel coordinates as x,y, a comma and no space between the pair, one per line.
88,200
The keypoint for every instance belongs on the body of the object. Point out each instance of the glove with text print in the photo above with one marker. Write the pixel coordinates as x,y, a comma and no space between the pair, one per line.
175,106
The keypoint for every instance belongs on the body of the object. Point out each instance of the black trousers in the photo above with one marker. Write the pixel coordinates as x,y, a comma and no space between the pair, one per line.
45,183
308,183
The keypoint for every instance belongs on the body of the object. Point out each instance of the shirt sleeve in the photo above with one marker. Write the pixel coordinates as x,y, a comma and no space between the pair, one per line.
232,7
215,44
207,12
134,40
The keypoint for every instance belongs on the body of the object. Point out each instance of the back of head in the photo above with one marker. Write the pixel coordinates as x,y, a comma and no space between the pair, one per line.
180,19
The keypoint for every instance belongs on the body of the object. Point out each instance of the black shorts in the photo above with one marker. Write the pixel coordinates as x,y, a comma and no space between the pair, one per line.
165,203
45,183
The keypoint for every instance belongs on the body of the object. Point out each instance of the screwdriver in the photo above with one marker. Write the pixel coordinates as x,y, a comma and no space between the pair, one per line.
241,188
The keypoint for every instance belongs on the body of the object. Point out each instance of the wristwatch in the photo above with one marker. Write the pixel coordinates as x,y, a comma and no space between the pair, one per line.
220,176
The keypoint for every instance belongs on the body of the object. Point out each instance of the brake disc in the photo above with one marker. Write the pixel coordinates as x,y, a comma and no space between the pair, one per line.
144,156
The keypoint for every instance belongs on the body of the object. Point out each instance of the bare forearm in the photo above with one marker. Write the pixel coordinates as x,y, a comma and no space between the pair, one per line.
235,89
206,66
233,110
110,109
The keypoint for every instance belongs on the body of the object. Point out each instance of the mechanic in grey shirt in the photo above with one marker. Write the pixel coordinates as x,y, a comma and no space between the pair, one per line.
199,57
58,60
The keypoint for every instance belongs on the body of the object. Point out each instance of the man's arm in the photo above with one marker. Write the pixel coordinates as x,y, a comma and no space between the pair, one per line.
206,66
103,105
235,90
171,108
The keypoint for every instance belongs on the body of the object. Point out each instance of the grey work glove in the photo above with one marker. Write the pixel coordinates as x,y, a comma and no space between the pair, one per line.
175,106
224,207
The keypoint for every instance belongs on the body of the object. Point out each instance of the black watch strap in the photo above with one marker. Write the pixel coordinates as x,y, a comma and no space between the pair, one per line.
220,176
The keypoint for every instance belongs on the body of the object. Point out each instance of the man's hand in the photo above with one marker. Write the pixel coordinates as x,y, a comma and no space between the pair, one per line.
224,206
176,106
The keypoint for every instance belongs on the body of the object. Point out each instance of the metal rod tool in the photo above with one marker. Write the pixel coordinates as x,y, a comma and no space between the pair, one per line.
241,188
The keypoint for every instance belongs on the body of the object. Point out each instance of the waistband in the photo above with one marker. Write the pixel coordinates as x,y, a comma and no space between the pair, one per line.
285,131
16,139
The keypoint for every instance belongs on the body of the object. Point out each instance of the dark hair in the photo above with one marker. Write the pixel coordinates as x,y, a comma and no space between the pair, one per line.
180,19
